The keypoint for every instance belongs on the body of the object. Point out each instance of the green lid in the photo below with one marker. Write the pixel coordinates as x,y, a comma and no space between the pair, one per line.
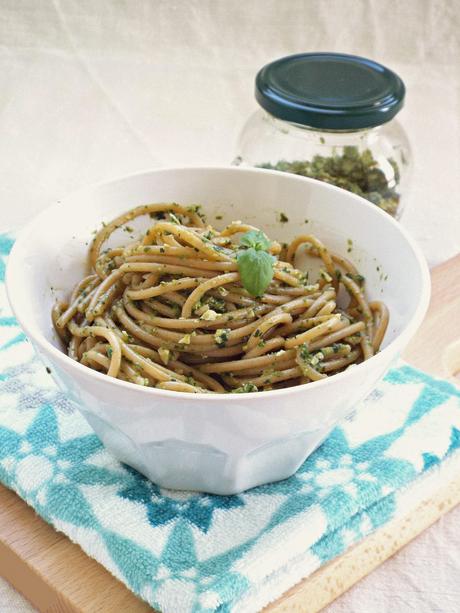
330,91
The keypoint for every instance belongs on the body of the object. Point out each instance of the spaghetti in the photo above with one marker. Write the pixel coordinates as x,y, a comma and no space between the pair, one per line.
170,310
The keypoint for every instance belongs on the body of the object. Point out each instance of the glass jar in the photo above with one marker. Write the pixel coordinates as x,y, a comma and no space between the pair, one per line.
331,117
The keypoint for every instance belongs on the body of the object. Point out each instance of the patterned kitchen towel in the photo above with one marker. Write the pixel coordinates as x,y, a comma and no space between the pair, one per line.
190,552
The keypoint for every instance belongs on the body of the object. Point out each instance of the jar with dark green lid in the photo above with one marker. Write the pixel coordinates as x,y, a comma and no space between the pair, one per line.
331,116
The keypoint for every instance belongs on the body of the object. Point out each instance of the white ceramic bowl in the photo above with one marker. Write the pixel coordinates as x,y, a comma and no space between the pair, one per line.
223,443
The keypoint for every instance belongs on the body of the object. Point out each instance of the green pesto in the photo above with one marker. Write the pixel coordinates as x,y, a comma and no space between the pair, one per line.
245,388
216,304
359,279
221,336
312,359
197,209
355,171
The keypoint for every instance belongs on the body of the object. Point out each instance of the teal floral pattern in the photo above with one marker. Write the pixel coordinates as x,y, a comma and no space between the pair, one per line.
197,509
190,552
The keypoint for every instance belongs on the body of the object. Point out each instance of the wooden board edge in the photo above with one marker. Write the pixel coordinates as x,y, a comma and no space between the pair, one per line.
19,574
35,559
332,580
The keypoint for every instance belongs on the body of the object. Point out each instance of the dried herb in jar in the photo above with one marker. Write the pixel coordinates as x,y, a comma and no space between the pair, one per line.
354,171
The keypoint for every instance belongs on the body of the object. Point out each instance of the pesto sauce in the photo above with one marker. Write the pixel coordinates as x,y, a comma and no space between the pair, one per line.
354,171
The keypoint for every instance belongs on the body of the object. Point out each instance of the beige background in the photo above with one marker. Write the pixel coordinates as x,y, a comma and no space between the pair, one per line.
92,89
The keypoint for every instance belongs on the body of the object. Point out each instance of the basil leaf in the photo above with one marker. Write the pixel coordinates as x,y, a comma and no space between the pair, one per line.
256,239
256,270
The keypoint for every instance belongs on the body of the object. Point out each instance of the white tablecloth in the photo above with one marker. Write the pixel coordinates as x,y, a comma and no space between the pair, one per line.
92,90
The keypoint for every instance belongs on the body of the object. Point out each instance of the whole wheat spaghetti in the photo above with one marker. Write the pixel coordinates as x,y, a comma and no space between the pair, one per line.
170,310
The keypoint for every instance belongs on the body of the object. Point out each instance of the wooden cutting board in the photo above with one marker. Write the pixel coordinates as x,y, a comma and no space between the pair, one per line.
57,577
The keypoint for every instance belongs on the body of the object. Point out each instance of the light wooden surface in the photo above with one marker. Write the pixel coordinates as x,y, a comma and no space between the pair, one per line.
57,577
436,347
51,571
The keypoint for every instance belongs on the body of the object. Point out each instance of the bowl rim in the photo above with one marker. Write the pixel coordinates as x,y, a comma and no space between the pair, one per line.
65,360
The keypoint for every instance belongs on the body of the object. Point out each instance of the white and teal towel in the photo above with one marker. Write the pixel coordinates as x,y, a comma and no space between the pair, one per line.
185,552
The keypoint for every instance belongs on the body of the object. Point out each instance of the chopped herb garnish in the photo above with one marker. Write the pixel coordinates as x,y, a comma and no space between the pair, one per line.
209,235
216,304
304,353
282,217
